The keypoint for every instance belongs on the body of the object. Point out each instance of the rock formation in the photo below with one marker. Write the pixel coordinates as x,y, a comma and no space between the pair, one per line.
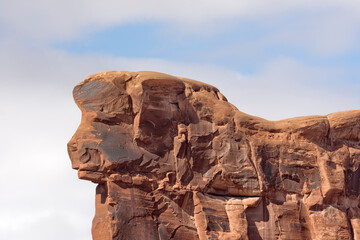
174,160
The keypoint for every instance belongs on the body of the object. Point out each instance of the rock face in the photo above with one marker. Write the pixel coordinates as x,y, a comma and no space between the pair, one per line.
174,160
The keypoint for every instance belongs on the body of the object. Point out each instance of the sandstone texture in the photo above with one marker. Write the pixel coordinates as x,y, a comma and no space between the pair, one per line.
174,160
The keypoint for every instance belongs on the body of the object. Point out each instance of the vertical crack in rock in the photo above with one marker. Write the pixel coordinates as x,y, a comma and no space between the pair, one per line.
173,159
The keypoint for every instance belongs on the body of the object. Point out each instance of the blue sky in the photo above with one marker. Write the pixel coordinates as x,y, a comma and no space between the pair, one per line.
225,47
274,59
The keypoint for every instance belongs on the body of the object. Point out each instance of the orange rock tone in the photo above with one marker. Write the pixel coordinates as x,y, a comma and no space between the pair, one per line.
174,160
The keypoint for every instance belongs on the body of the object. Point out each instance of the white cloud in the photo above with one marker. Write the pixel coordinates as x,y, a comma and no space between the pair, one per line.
41,195
331,25
286,88
327,33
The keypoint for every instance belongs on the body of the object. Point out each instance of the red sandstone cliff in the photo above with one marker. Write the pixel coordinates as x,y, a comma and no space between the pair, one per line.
175,160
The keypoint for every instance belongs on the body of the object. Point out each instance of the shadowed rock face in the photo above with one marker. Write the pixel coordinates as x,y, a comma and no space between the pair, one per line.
174,160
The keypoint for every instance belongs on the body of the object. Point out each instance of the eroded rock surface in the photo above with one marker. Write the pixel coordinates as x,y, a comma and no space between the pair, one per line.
174,160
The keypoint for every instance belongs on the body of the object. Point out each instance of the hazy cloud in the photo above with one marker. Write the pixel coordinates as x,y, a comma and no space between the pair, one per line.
330,26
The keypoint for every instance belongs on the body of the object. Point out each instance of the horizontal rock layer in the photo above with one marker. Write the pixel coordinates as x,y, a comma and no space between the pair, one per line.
174,160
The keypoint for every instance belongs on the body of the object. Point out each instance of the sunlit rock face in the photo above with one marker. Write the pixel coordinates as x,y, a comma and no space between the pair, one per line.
174,160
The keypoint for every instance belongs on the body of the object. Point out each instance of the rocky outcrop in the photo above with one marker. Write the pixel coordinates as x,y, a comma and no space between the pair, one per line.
174,160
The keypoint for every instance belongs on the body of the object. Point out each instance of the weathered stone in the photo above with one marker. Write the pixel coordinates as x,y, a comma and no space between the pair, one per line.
175,160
